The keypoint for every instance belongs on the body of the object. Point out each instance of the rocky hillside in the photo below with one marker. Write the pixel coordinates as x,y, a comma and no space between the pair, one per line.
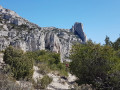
20,33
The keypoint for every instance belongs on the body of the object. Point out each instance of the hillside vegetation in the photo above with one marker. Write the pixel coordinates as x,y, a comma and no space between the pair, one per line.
97,64
21,63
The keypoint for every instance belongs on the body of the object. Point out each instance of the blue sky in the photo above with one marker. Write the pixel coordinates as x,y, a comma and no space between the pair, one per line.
99,17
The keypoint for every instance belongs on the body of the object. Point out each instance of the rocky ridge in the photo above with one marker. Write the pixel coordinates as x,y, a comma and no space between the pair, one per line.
20,33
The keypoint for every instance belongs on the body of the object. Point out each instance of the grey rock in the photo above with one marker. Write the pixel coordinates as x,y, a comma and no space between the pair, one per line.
20,33
78,29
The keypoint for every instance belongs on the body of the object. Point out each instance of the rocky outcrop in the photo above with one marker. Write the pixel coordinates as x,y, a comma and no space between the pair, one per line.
20,33
78,30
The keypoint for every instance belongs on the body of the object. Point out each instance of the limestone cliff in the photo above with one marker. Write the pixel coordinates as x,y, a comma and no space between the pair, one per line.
20,33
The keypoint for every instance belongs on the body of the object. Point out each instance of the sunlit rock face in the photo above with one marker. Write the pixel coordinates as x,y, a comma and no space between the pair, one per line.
20,33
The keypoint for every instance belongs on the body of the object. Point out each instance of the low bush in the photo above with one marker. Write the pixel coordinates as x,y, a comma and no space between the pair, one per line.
48,57
43,68
45,81
51,60
42,83
21,65
47,61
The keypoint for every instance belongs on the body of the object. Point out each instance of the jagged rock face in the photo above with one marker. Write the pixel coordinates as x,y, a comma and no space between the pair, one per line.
78,29
23,34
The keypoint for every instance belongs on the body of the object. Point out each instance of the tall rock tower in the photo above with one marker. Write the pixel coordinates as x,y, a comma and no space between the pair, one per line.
78,30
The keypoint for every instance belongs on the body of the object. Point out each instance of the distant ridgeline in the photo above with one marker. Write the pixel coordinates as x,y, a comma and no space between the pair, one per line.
20,33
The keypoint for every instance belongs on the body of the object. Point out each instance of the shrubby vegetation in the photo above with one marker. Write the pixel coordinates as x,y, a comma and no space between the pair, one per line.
48,61
21,65
115,45
97,64
43,68
8,83
94,64
42,83
45,81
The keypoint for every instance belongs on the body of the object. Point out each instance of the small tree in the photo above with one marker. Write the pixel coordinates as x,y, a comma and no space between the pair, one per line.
94,64
21,65
107,41
116,44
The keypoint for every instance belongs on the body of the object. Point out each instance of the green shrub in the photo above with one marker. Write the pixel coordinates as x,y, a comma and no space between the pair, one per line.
45,81
63,71
42,83
56,56
41,52
7,83
37,85
21,65
35,54
53,67
53,62
43,68
116,44
95,64
47,61
48,57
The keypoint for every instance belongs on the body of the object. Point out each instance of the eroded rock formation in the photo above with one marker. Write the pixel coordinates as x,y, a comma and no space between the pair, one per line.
20,33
